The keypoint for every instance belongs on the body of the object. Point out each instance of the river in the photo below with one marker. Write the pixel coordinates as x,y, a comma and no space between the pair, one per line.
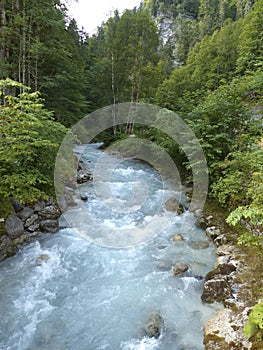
67,292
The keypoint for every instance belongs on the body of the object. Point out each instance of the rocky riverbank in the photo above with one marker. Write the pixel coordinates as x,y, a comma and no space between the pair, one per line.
24,223
236,281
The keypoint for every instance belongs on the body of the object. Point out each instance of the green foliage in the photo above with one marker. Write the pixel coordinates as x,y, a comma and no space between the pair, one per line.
124,60
219,123
254,326
241,186
249,239
29,140
250,47
42,51
230,49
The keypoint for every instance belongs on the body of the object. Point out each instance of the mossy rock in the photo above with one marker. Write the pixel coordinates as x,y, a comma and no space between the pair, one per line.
154,325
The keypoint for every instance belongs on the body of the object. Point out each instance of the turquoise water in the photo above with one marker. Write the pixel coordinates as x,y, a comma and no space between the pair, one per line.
67,292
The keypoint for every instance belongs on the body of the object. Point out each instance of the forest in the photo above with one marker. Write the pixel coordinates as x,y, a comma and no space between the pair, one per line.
209,72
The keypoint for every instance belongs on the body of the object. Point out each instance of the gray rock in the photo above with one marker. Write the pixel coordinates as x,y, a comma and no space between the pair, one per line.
50,201
14,226
222,271
220,240
50,212
179,268
31,220
6,247
42,258
25,213
223,259
33,228
217,287
201,222
62,222
83,177
19,241
49,226
212,232
154,325
174,205
162,246
84,197
17,205
218,330
200,244
39,206
225,250
216,290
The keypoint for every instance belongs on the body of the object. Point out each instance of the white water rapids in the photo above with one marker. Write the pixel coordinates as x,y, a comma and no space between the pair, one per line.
65,292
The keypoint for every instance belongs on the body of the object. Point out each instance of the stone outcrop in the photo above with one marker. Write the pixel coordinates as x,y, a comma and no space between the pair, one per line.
25,222
224,331
235,282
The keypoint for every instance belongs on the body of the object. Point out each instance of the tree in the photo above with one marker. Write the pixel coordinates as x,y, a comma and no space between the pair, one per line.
124,58
39,50
29,141
250,48
64,88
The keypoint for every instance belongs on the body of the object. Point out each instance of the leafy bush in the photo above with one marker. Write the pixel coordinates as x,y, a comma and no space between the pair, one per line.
254,325
29,140
241,186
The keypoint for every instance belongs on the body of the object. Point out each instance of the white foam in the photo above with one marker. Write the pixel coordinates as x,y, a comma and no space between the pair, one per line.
145,343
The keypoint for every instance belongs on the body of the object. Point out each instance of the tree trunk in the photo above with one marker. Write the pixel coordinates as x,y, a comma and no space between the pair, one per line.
113,94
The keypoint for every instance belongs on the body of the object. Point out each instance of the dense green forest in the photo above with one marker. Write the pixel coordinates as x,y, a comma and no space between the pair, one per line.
209,72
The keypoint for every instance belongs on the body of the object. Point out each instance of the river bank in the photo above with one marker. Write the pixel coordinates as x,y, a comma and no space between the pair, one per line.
236,282
24,223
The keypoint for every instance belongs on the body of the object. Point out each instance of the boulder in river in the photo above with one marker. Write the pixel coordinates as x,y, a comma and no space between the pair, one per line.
154,325
200,244
42,258
179,268
83,177
174,205
83,197
49,226
177,237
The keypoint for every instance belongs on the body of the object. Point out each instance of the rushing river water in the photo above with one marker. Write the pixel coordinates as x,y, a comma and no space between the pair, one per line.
65,292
